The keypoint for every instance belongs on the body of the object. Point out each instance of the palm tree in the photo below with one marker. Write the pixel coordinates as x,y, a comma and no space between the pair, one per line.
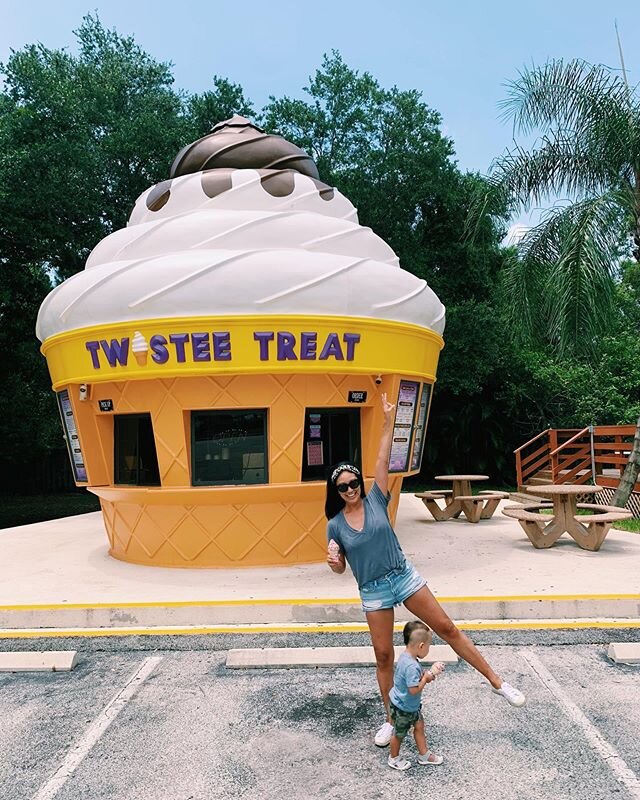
563,276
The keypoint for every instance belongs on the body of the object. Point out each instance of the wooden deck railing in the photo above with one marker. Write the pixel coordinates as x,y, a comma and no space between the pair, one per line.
572,455
611,448
534,460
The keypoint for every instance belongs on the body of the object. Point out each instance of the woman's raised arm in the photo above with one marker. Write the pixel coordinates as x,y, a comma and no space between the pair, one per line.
382,464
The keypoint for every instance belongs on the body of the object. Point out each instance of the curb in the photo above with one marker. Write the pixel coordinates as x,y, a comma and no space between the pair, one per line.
309,628
287,613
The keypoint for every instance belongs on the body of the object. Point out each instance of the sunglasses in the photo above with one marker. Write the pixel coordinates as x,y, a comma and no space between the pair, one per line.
344,487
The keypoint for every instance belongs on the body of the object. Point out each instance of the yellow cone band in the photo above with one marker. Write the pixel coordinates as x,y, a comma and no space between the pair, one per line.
241,345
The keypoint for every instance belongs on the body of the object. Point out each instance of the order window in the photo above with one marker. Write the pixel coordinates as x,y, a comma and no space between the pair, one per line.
229,447
135,457
330,435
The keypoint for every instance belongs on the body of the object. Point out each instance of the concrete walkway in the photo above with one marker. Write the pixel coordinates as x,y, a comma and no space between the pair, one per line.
58,574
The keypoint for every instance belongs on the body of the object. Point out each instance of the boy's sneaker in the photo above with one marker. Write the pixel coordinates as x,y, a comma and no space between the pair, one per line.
511,694
383,735
430,759
398,763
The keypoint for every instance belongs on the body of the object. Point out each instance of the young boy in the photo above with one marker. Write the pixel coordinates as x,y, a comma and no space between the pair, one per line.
410,627
405,697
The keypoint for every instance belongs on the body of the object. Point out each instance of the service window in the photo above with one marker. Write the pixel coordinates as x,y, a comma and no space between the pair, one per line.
330,435
135,458
229,447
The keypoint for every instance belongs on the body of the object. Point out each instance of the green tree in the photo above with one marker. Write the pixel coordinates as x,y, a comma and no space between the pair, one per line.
81,136
561,286
384,149
222,102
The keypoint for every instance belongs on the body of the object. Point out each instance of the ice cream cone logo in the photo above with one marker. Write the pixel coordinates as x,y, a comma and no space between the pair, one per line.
140,348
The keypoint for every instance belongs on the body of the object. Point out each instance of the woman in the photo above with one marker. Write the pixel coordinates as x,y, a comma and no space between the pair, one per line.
360,527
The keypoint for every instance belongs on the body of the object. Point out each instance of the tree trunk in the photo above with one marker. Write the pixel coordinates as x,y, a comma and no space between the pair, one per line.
630,476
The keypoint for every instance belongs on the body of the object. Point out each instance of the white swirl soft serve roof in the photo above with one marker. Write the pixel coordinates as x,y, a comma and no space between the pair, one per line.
218,240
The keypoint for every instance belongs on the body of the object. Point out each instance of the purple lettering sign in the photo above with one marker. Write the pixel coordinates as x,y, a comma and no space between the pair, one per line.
222,346
216,346
264,338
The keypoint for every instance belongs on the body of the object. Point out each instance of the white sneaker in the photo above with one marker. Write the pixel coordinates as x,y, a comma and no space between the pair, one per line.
430,759
383,735
398,763
511,694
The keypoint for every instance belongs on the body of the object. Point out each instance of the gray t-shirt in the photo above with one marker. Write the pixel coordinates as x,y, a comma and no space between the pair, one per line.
374,551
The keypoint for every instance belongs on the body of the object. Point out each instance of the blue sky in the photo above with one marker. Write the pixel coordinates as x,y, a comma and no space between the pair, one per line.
458,54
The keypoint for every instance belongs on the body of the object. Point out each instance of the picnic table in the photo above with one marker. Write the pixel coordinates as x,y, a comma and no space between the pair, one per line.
459,500
588,530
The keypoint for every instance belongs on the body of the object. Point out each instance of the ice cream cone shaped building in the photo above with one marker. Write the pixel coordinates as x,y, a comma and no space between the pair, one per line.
217,355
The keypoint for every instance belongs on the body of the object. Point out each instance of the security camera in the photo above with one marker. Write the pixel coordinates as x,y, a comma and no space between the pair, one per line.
378,380
83,392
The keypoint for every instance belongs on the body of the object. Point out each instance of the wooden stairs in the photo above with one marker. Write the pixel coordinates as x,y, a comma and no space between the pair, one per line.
592,455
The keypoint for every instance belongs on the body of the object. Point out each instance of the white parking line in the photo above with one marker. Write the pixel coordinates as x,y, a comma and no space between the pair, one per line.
93,733
606,751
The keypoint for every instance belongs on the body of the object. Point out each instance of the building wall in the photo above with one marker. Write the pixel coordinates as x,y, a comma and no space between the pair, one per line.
178,524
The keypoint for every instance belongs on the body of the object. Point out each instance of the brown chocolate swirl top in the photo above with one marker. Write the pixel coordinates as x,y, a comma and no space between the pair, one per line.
237,143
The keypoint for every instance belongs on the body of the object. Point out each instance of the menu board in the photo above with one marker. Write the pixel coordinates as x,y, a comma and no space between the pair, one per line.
71,435
421,426
403,426
315,454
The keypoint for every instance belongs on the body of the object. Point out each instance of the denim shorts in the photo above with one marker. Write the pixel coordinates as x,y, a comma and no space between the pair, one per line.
391,589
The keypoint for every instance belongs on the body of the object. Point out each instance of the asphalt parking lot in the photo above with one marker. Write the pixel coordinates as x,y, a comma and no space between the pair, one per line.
145,725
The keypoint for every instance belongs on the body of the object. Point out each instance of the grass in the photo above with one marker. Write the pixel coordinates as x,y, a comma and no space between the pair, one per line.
632,525
24,509
581,512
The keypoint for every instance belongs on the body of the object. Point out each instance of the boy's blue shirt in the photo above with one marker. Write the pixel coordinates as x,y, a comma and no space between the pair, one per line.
407,673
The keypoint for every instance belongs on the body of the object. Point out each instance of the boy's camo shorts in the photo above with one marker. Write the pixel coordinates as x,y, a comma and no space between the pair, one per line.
403,720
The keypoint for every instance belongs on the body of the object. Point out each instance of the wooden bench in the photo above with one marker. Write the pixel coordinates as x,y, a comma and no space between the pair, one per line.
588,530
475,507
597,525
524,512
437,495
429,499
481,506
493,497
538,527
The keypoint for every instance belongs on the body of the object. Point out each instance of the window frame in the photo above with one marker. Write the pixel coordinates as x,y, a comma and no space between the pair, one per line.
355,436
117,445
194,413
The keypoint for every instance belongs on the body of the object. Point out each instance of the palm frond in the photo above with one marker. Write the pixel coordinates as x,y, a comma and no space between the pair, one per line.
581,284
488,199
561,164
575,254
523,285
564,95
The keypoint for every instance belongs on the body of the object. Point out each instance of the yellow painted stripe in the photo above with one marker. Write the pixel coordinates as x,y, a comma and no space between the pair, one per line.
529,597
303,601
549,624
185,604
57,633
